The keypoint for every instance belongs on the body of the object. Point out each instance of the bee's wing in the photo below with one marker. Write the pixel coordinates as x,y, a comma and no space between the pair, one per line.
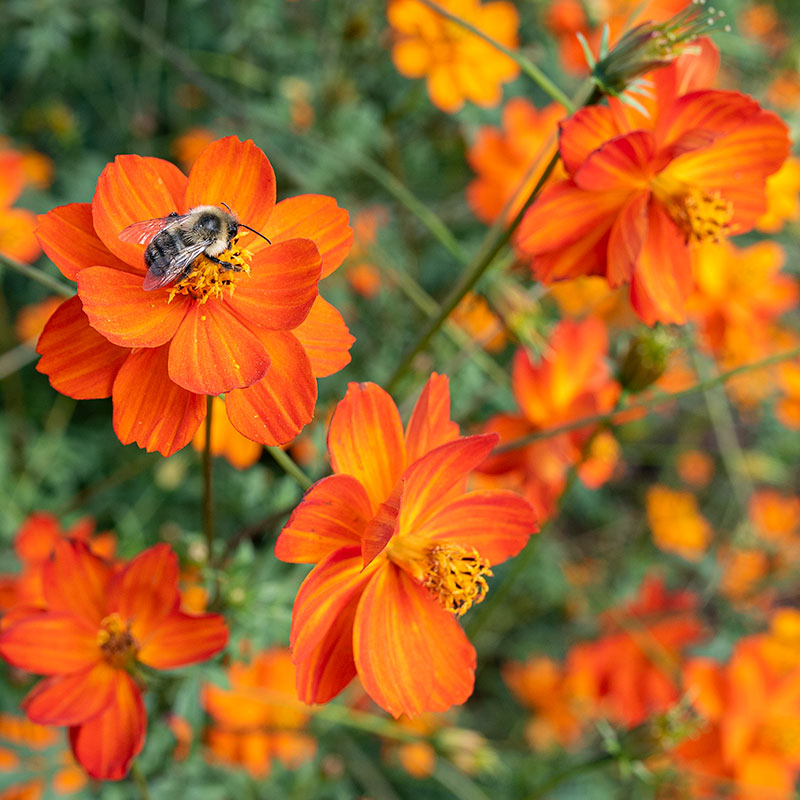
162,273
143,232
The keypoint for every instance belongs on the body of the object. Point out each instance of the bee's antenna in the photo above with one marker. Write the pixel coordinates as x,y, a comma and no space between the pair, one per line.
230,210
252,230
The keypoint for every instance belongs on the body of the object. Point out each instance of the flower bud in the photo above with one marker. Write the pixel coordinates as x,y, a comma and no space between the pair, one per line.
646,359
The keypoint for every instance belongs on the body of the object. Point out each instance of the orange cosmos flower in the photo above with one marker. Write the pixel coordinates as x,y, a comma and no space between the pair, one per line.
641,187
259,718
31,319
783,197
98,626
676,522
401,552
261,334
502,158
695,468
458,65
189,145
17,239
787,409
474,315
572,380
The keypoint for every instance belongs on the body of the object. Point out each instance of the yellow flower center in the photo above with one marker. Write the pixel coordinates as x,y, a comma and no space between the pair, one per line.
702,215
209,278
115,640
453,574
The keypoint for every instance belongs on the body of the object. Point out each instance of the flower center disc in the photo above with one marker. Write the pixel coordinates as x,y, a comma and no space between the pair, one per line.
115,640
208,278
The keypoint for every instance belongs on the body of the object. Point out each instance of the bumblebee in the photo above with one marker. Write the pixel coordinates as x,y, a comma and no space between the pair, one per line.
175,241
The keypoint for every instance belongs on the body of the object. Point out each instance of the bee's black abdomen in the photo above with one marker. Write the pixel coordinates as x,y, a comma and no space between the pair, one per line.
163,248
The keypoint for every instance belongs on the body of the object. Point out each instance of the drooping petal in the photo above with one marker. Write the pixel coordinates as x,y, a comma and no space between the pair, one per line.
239,174
430,424
180,639
50,643
410,653
383,525
106,745
69,240
282,286
497,524
322,625
623,164
431,480
276,408
80,362
366,440
76,581
627,238
134,189
326,338
118,307
316,217
71,699
332,514
151,410
212,352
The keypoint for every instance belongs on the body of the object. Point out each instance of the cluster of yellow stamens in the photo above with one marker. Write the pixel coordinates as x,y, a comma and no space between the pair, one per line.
703,216
209,279
115,640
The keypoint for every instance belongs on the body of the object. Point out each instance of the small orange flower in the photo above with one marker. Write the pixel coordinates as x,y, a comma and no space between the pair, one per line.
157,353
31,319
98,625
695,468
259,718
775,516
360,272
787,409
676,522
783,201
401,552
240,451
642,187
480,322
458,65
17,239
189,145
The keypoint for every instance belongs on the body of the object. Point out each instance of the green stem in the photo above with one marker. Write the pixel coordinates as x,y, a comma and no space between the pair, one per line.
140,781
36,274
456,782
18,357
289,467
650,403
208,493
527,66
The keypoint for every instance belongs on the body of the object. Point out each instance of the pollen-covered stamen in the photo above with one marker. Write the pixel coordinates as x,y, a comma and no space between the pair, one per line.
208,278
116,641
702,215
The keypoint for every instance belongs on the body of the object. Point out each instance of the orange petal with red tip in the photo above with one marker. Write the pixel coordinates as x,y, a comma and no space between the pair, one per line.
276,408
410,653
134,189
213,352
366,440
383,525
69,240
106,745
147,590
239,174
430,424
71,699
79,361
435,477
497,524
282,286
51,643
322,625
151,410
126,314
76,581
316,217
622,165
582,133
181,639
332,514
326,338
627,238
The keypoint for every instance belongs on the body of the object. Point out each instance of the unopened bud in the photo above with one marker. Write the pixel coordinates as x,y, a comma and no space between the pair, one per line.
646,359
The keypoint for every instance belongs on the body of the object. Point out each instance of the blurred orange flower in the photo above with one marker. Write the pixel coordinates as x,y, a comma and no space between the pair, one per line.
31,319
695,468
17,225
259,718
641,187
457,64
360,272
401,551
240,451
98,624
676,522
787,409
783,205
775,516
189,145
480,322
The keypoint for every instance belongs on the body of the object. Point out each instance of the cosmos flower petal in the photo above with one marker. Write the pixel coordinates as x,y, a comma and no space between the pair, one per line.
80,362
150,409
213,352
133,189
124,313
583,132
383,526
275,409
430,424
239,174
411,654
496,523
366,440
628,235
106,745
326,338
180,639
332,514
316,217
322,625
76,581
282,285
621,164
71,699
50,643
69,240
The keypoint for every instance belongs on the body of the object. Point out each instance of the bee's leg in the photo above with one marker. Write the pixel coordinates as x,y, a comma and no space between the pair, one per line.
226,264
